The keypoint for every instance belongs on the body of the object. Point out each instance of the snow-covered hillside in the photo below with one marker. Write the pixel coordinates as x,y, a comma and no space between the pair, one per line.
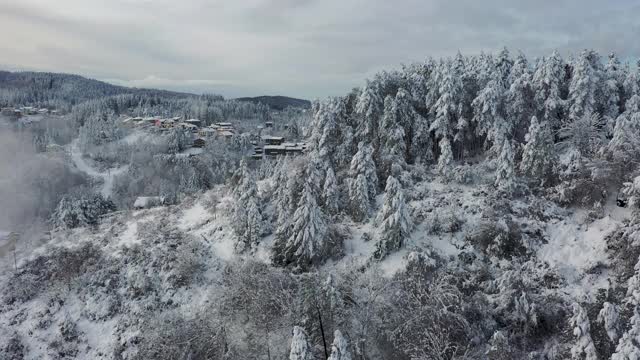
476,207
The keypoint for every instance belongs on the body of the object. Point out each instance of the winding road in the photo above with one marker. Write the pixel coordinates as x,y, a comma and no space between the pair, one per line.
106,176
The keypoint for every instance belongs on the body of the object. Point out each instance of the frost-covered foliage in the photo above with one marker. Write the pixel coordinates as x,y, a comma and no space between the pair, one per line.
395,219
538,154
362,182
300,349
340,347
609,316
247,215
309,237
81,210
583,347
505,173
98,129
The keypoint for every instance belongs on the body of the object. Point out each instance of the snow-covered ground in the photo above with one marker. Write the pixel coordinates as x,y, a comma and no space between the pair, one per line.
574,247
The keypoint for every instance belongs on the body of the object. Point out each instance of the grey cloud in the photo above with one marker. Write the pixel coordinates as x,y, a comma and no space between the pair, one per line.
309,48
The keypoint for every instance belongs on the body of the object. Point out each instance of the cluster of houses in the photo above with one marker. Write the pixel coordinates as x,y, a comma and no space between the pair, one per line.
25,111
275,146
265,145
162,123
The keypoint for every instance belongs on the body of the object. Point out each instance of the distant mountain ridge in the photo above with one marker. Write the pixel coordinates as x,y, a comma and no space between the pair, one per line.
278,102
29,87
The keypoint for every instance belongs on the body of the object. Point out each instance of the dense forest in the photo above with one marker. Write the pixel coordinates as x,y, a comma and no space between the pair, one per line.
471,207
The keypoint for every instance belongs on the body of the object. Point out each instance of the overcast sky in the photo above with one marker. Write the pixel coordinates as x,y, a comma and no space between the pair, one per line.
303,48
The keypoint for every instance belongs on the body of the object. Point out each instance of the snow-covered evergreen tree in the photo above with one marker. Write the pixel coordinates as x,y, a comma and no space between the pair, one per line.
177,140
631,83
306,243
489,116
447,108
362,182
392,137
446,156
583,89
331,192
624,145
613,88
610,318
300,348
246,217
548,83
504,64
505,173
340,347
628,348
395,218
370,107
538,155
520,67
583,348
520,106
99,128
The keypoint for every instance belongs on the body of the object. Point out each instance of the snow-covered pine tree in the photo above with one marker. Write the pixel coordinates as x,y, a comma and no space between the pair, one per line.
627,348
489,116
610,318
363,180
446,156
300,348
538,155
392,142
246,217
505,173
624,145
306,243
370,108
520,67
331,192
583,89
340,347
632,82
504,64
395,218
447,109
99,128
314,172
548,82
583,348
613,89
177,140
519,105
411,122
359,201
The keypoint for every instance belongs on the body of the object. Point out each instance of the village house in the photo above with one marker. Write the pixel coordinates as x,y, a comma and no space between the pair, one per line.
199,143
188,126
207,132
272,140
146,202
195,122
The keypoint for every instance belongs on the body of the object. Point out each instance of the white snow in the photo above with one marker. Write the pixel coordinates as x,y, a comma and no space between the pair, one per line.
574,249
107,177
194,216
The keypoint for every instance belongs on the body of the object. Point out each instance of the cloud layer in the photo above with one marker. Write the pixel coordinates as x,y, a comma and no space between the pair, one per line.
305,48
